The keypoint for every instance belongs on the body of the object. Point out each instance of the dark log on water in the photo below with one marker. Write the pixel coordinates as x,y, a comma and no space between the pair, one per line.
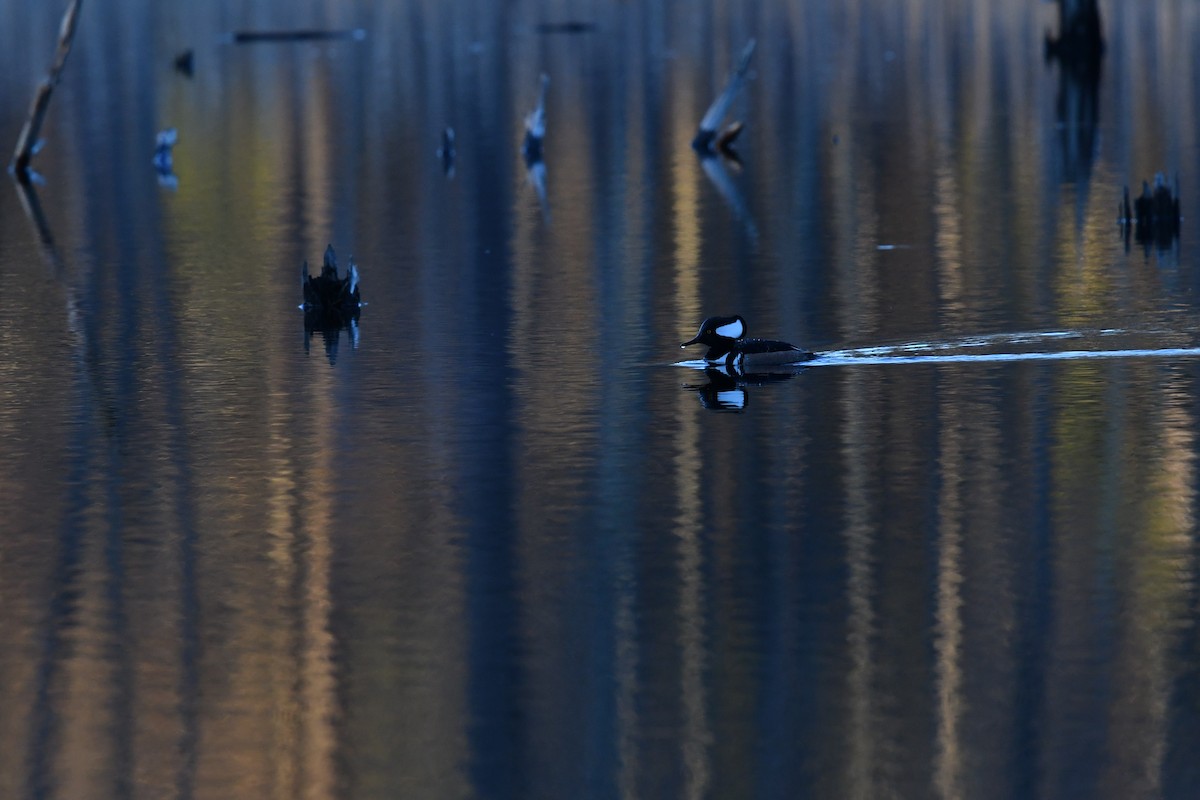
706,134
446,152
566,27
27,142
250,37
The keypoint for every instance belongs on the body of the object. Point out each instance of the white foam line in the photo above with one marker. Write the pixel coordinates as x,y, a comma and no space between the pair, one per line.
974,341
846,357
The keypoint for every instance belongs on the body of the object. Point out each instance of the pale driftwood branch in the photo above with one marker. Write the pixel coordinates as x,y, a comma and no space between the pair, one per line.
707,132
41,101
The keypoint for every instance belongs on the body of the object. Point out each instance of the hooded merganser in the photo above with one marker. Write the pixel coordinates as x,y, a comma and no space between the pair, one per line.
723,335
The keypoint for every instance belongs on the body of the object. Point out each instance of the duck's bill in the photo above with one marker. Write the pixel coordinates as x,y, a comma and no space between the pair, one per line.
692,341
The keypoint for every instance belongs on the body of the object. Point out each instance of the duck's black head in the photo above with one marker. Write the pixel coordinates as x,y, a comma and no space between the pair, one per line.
719,332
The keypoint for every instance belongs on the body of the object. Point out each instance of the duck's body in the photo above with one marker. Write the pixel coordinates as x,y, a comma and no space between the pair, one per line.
728,348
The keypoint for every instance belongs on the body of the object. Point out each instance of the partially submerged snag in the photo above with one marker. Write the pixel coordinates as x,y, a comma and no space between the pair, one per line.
710,123
1154,215
331,303
28,141
185,62
535,125
446,152
1080,40
329,293
164,160
531,147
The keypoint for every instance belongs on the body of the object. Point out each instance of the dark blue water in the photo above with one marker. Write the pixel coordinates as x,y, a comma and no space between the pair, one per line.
494,541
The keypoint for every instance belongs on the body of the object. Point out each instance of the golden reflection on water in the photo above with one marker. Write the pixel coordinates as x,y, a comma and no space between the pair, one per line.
334,602
1157,555
862,724
696,735
948,628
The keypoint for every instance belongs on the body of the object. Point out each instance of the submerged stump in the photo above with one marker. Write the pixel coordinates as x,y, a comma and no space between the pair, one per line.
331,303
1153,217
1079,44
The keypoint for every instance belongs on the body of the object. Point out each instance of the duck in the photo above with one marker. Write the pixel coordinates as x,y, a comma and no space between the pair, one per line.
327,293
727,346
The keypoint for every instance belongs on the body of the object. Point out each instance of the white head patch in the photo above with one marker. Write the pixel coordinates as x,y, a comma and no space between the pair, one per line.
734,330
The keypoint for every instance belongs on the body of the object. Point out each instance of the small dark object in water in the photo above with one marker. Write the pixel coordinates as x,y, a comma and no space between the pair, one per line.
329,293
531,147
1154,216
446,152
164,161
566,27
330,303
535,126
185,62
1080,41
247,37
729,135
726,139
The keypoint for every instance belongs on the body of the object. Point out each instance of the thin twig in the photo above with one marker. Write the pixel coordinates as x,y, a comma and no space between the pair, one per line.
41,101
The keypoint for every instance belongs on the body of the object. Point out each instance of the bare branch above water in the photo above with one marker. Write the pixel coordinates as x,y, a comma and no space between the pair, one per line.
27,141
707,133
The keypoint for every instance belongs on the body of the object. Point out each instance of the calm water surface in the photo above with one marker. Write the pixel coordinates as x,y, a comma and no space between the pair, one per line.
501,546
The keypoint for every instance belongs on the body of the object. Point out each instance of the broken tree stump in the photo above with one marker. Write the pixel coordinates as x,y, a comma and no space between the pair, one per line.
706,135
1153,217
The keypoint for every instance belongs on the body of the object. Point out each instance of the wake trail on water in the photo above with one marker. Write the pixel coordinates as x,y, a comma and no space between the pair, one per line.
1004,347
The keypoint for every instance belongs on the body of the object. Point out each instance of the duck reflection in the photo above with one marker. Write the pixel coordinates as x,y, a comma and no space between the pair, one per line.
726,388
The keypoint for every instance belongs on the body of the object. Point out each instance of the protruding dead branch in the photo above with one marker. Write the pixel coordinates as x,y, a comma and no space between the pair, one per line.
28,139
706,135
